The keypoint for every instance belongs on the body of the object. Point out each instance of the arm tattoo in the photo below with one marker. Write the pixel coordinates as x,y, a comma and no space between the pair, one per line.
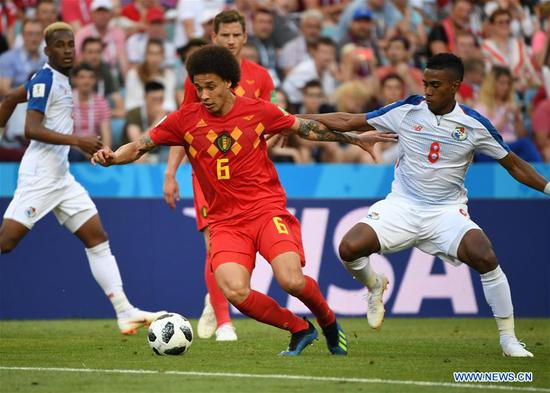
311,129
146,144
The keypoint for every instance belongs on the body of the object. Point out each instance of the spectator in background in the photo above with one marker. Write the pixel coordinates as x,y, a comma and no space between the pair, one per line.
541,128
153,28
502,49
331,9
250,52
393,89
136,13
140,119
284,25
292,151
91,112
410,26
321,66
76,13
261,36
467,46
442,37
180,70
113,38
189,18
399,57
46,14
314,101
106,85
296,50
353,97
384,14
496,101
474,72
19,64
151,70
8,17
361,33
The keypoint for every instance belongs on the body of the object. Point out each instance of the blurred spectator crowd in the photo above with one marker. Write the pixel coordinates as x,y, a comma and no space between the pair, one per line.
323,56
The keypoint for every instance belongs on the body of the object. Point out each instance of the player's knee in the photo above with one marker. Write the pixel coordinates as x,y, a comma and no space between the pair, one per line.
293,284
96,238
486,261
350,250
235,294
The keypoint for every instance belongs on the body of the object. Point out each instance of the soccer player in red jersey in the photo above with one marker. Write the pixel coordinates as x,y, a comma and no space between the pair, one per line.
223,136
229,32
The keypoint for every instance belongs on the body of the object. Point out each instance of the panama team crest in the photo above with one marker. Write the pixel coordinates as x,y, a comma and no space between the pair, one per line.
224,142
30,212
459,134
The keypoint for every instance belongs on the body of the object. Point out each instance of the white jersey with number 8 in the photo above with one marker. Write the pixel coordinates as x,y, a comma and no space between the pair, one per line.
435,151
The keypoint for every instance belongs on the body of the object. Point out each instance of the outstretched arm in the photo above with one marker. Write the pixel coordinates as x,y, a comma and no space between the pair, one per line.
125,154
524,173
316,131
341,121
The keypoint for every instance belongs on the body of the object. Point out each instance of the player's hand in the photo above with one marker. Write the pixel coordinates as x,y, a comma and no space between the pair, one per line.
171,191
89,144
367,140
103,157
279,139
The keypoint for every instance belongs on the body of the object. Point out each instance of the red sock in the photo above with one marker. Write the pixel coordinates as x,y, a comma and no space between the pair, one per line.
265,309
312,297
217,299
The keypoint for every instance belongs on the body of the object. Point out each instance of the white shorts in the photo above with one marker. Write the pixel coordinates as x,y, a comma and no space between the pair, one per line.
37,196
436,230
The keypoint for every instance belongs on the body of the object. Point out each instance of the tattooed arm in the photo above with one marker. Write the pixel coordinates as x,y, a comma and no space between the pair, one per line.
315,131
341,121
125,154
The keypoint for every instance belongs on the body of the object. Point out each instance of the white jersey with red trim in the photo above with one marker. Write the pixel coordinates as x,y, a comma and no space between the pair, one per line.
435,151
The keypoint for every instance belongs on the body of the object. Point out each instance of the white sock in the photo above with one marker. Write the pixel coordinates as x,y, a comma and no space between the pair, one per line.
362,271
497,293
105,271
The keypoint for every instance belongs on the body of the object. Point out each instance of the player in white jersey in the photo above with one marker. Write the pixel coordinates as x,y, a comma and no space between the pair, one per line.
427,205
45,183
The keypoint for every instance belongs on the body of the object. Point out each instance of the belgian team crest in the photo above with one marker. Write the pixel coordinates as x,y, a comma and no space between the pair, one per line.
459,134
224,142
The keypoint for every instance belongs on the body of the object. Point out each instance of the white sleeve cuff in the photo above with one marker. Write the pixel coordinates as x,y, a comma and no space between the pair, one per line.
547,188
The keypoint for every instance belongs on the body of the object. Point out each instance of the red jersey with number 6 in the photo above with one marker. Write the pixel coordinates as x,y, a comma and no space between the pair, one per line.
229,155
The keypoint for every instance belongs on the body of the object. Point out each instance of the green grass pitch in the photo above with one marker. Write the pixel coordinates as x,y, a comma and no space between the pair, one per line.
408,355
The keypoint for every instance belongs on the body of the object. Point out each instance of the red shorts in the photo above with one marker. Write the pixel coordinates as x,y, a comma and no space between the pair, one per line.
271,234
201,206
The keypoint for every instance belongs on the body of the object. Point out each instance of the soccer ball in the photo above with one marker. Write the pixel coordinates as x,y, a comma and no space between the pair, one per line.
170,334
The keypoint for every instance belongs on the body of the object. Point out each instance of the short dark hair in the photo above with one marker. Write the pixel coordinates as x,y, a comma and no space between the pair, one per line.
230,16
45,2
406,43
322,41
192,43
90,40
153,86
390,77
449,62
497,12
262,10
312,84
155,41
213,59
83,67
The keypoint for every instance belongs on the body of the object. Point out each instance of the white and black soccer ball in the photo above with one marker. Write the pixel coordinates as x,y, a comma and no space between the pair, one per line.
170,334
